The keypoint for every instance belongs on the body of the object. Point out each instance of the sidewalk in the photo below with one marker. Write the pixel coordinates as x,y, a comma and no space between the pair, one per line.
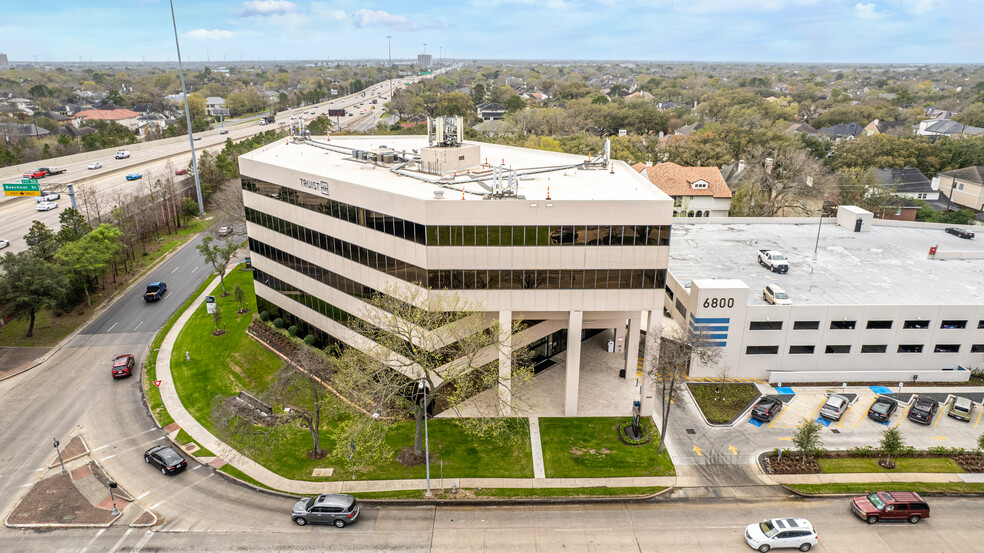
227,455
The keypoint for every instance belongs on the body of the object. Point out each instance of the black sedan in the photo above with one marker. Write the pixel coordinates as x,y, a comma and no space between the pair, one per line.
962,233
881,410
166,459
766,409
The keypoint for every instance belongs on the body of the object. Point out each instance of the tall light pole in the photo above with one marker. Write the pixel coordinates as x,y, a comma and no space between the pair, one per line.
184,94
389,69
427,458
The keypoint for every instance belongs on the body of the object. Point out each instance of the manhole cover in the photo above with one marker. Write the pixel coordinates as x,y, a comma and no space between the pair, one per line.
691,431
835,431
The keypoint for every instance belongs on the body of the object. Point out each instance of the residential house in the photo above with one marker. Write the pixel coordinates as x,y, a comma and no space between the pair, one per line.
801,128
688,130
74,132
151,122
936,113
696,191
125,117
843,131
12,131
894,128
538,96
946,127
663,106
490,111
908,182
69,109
641,94
213,103
964,187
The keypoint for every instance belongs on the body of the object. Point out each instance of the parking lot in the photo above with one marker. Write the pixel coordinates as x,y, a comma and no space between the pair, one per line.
856,429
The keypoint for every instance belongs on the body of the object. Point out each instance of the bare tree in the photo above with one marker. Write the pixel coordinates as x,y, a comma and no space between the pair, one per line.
666,371
782,182
229,200
444,343
91,203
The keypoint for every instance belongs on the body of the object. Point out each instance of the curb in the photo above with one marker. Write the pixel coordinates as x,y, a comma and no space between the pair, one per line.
522,500
828,495
738,417
157,520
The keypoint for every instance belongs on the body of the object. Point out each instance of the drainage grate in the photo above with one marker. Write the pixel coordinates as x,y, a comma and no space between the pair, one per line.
835,431
691,431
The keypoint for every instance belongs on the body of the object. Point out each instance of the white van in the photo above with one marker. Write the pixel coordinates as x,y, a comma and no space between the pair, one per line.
122,154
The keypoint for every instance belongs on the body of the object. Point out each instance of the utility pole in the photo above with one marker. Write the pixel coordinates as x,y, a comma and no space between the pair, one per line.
184,94
389,69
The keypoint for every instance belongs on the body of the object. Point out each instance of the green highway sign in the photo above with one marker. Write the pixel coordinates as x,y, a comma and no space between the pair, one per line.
29,181
22,189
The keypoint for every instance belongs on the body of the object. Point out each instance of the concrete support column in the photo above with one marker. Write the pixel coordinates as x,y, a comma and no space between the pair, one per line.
620,338
505,363
632,347
573,374
653,332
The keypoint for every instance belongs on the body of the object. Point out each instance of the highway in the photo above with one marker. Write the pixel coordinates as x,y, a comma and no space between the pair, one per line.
159,158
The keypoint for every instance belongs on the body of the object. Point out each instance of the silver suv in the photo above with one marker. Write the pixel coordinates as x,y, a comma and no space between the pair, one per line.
835,406
337,509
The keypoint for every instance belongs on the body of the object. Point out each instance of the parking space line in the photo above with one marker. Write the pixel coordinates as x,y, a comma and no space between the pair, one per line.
979,413
903,414
854,409
938,417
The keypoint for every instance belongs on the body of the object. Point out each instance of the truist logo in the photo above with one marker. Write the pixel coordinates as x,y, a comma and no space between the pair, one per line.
318,186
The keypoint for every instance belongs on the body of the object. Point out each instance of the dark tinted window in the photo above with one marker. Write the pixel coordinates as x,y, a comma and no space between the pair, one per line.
916,324
842,325
947,348
838,349
762,350
910,348
879,324
765,325
977,348
800,349
953,324
806,325
876,348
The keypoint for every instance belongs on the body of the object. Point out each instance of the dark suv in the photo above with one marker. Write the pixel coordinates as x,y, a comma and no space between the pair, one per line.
896,506
923,410
766,409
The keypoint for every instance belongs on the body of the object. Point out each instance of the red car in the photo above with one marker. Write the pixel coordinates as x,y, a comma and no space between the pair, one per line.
123,365
180,171
38,174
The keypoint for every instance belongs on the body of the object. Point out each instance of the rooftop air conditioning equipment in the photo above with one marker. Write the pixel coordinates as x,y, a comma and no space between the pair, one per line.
438,194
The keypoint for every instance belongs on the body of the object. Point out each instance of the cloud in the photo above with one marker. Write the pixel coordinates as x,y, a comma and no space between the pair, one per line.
865,11
210,34
922,7
326,10
379,18
264,8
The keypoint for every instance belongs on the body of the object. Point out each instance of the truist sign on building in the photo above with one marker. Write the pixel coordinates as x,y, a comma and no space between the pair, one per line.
318,186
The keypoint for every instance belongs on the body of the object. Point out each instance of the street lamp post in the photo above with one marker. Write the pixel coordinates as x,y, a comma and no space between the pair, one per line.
111,484
819,226
427,464
389,70
184,94
62,463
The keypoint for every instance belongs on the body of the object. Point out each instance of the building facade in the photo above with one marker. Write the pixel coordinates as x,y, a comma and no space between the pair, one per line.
563,244
964,187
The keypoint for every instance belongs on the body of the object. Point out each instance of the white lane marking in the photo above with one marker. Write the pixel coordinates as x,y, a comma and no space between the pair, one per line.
108,457
28,485
112,327
138,326
115,547
143,495
40,470
158,504
196,467
121,440
143,541
94,538
175,270
195,269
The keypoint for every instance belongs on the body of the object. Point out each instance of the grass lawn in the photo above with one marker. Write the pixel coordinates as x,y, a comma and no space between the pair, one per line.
918,487
225,365
722,402
517,493
50,329
902,464
582,447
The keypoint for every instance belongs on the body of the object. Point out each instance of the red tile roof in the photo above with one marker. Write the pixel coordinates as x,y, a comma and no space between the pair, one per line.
107,114
676,180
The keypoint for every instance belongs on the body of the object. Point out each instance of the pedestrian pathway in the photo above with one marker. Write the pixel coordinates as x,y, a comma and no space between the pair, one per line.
537,448
227,455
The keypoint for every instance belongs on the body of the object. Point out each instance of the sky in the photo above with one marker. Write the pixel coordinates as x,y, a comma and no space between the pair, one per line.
823,31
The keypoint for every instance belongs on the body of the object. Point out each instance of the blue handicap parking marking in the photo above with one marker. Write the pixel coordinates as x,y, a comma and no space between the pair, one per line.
756,422
823,421
785,390
880,389
884,423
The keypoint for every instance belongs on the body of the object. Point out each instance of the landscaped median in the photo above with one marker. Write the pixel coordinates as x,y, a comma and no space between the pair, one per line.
722,402
207,368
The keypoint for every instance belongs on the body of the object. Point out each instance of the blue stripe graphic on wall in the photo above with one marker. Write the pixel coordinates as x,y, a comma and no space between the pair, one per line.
710,320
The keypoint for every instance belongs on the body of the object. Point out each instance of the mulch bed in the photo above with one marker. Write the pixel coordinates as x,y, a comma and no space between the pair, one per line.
55,500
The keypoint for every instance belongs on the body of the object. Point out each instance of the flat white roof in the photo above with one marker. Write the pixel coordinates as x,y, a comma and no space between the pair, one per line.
565,184
887,266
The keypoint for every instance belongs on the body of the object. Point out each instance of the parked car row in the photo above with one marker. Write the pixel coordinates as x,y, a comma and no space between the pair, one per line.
923,410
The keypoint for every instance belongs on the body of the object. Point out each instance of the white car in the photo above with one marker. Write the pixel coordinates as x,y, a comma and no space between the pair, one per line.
47,206
781,533
47,197
95,165
4,243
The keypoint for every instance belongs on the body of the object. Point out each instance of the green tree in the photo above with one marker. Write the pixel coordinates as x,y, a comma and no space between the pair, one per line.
73,226
41,240
189,208
478,93
455,103
892,444
210,174
320,125
514,104
808,440
28,284
198,106
973,115
240,296
218,256
89,257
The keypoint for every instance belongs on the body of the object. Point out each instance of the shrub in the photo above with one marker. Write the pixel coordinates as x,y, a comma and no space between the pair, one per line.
623,433
278,322
264,316
292,330
309,339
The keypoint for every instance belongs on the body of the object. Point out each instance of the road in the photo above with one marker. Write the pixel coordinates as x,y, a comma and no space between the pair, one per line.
159,159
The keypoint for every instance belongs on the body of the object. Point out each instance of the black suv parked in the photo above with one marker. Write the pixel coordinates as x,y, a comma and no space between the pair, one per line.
923,410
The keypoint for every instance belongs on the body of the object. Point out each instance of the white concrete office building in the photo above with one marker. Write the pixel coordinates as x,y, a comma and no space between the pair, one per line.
565,244
892,301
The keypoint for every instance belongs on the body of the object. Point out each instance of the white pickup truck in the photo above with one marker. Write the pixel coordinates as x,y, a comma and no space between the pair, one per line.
773,260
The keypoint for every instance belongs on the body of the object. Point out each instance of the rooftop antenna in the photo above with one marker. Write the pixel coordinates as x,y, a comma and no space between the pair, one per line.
608,149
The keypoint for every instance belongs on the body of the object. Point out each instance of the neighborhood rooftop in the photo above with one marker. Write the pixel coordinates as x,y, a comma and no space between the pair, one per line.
887,266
